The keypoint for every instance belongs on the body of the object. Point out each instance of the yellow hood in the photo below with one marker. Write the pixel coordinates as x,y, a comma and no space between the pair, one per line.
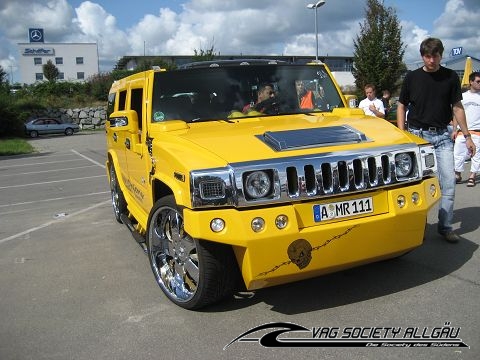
243,139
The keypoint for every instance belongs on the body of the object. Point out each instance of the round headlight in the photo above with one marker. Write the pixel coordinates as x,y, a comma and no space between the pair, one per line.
403,164
257,184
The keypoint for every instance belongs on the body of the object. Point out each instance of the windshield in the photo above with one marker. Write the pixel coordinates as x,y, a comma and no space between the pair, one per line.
212,93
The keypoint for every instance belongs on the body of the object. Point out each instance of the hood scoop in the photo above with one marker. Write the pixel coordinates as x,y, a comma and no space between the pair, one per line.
309,138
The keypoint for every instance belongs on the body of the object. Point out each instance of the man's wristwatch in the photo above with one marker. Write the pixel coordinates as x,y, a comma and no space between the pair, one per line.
467,136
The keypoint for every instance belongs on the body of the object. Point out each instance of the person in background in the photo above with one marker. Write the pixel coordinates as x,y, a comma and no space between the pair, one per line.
471,103
306,99
386,96
371,105
433,95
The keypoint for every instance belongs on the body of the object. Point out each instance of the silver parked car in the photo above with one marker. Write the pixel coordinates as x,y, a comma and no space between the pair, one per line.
41,126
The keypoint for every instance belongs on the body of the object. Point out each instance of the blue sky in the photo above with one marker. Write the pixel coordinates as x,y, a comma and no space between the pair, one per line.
273,27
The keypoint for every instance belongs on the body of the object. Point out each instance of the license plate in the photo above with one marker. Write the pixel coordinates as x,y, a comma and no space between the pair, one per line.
342,209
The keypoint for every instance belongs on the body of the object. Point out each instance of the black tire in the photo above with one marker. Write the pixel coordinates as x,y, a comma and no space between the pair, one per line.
192,273
33,133
68,131
119,204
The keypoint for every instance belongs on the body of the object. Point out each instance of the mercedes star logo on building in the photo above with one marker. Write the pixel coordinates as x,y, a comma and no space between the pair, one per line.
36,35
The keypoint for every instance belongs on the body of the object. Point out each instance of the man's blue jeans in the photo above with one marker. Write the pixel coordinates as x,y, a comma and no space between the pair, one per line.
443,144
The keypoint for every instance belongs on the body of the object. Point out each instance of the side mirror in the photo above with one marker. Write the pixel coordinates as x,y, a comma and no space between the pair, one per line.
352,101
127,120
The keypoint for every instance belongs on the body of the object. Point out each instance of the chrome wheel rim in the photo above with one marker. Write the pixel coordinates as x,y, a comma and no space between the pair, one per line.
114,192
173,255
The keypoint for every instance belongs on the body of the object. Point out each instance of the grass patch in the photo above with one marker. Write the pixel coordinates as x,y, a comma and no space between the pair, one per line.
15,146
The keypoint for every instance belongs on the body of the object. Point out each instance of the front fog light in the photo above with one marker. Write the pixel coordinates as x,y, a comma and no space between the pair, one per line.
401,201
281,221
217,225
415,198
433,190
258,224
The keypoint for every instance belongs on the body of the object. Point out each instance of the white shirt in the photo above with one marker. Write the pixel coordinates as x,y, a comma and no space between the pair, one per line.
471,103
365,104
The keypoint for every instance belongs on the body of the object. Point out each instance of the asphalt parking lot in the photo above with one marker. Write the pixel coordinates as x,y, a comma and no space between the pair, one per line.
75,285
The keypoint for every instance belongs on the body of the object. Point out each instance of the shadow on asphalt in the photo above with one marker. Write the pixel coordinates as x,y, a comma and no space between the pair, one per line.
433,260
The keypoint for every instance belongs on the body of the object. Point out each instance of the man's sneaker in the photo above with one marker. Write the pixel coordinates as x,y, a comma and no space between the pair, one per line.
451,237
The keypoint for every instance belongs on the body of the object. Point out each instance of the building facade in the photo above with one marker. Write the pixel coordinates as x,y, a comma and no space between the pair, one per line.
75,61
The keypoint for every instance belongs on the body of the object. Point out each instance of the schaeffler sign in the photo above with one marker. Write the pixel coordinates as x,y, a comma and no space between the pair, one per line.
35,35
39,51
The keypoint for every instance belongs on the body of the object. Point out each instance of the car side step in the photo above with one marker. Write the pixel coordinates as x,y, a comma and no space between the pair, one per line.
136,235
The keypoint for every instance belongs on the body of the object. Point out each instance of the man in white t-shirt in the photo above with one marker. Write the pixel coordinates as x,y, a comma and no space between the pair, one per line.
471,103
371,105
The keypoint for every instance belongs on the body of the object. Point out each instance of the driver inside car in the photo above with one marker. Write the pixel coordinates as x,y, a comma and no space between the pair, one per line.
265,100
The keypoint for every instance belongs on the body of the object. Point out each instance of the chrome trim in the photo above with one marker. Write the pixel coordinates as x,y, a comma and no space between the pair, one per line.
311,177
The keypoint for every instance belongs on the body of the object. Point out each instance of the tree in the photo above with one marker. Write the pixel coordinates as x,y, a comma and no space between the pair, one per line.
204,54
3,76
50,71
378,54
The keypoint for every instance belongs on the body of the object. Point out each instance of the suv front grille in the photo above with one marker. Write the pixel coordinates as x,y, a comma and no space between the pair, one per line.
305,178
326,178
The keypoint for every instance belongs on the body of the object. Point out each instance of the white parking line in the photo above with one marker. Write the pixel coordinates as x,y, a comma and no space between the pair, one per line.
38,163
53,222
89,159
49,171
51,182
54,199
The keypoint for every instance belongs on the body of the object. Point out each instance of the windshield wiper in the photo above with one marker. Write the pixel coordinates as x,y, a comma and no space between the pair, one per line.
209,119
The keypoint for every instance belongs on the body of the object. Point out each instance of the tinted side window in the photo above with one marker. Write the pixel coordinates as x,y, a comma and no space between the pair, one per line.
110,104
136,102
122,99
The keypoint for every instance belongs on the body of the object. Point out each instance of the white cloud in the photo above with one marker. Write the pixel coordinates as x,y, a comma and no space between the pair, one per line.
412,37
458,25
282,27
96,25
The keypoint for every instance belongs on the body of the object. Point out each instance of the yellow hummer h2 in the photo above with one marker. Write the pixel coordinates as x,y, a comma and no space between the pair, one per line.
268,193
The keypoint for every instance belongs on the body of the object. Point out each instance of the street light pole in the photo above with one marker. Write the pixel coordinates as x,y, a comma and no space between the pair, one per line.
316,6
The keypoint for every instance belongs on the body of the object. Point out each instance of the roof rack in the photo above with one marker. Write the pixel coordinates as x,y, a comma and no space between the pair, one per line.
231,62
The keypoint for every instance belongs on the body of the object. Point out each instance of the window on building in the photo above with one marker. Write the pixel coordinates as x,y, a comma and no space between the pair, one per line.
38,76
59,60
80,75
79,60
61,76
37,61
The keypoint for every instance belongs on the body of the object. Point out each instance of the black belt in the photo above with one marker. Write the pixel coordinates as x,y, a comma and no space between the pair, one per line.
428,128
